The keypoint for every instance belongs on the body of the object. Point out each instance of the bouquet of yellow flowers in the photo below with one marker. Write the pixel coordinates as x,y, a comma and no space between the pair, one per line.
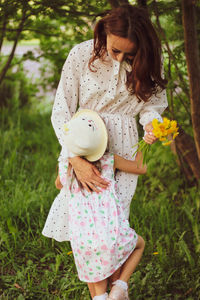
165,131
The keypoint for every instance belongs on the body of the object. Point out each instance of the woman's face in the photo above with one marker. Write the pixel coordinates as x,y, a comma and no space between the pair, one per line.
120,48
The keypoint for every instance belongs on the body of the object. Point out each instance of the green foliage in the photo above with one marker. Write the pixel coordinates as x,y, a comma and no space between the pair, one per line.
165,212
16,90
58,25
167,18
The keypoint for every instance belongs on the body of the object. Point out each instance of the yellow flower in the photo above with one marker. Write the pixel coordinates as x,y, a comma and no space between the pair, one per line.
70,252
163,139
155,253
173,124
167,123
175,135
165,131
167,143
155,123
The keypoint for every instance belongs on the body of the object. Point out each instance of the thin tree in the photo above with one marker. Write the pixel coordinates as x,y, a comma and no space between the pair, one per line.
193,64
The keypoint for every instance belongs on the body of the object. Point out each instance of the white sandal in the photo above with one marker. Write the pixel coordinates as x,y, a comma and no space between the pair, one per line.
117,293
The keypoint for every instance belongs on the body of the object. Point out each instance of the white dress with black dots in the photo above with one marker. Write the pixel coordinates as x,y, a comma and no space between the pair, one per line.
104,91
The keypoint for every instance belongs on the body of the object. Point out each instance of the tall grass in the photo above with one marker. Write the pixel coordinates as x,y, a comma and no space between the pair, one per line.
163,211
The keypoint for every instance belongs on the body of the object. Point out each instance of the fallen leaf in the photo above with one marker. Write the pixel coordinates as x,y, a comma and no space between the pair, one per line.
18,286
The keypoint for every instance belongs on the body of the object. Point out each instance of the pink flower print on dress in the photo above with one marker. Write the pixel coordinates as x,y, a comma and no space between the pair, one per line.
63,180
80,266
112,270
86,277
124,240
104,262
88,253
112,251
105,167
104,247
96,279
82,223
107,204
96,236
77,189
103,223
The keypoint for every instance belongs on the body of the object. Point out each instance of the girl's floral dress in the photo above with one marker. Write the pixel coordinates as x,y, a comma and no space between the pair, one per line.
99,232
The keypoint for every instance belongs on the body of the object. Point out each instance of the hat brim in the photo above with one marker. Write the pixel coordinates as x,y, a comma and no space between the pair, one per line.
99,153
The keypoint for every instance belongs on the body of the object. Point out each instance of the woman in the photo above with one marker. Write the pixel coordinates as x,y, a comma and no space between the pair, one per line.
118,74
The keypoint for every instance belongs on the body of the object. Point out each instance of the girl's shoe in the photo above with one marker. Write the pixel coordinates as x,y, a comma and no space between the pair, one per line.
117,293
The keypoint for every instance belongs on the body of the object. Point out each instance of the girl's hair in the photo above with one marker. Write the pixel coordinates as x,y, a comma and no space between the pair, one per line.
134,24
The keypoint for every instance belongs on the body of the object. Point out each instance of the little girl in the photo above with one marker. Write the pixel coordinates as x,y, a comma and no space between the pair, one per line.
101,238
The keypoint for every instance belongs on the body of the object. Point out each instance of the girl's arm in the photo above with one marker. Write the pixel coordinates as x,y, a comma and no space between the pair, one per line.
130,166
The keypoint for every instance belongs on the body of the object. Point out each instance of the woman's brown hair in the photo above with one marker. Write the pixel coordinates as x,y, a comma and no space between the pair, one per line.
134,24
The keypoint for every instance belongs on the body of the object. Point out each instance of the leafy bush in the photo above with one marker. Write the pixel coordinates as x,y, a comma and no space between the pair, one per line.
16,90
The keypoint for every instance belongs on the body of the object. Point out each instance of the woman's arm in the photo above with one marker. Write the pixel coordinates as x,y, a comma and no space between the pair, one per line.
64,107
130,166
153,109
88,174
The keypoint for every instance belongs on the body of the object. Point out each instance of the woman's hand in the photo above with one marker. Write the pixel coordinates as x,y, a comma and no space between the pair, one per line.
88,175
149,136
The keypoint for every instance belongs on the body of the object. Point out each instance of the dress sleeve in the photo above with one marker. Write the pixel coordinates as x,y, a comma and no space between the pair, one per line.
153,108
66,100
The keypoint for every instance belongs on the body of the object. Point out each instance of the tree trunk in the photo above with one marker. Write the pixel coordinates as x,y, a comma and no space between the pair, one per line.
185,145
193,65
3,32
188,155
142,3
114,3
10,58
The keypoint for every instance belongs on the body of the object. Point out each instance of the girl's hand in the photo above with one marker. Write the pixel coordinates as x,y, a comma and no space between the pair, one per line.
88,174
149,137
139,160
58,184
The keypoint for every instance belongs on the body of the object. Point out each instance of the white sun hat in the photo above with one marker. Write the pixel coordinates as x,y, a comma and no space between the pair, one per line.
86,135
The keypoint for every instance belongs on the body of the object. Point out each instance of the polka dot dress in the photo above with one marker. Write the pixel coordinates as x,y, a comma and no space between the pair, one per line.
104,91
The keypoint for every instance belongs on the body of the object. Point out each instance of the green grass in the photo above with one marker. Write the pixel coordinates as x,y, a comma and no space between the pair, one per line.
163,211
